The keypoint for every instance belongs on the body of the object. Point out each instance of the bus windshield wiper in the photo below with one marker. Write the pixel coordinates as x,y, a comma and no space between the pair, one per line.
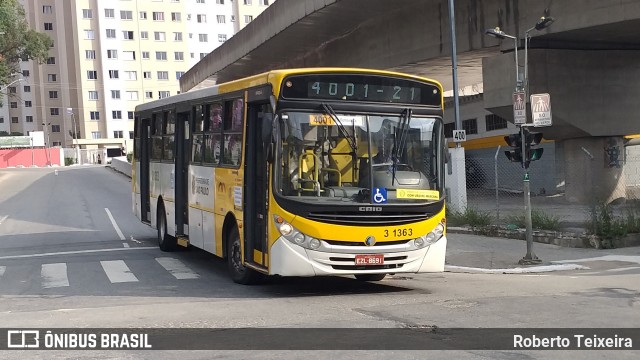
399,141
350,138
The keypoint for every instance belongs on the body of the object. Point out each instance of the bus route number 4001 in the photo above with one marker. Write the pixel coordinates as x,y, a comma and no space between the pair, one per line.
370,259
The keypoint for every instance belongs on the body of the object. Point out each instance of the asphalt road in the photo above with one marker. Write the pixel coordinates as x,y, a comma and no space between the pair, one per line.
72,254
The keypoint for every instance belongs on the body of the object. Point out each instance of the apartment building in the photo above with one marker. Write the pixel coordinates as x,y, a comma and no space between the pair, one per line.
108,56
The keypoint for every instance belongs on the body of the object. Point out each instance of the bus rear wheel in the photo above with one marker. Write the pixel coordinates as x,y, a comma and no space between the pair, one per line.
166,242
237,270
370,277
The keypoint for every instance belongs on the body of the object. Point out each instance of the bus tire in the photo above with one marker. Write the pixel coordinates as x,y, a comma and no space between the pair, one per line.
239,273
370,277
166,242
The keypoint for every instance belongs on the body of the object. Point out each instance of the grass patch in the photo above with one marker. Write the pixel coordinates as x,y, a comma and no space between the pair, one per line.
539,220
471,217
607,225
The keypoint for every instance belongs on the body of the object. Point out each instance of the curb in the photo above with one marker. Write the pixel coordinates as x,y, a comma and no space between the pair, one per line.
558,238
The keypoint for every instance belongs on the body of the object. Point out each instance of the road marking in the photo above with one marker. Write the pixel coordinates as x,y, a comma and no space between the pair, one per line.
2,269
3,218
74,252
117,271
54,275
177,268
125,245
113,222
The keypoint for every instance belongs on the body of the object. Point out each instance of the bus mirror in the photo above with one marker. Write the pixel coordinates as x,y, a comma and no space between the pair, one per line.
267,128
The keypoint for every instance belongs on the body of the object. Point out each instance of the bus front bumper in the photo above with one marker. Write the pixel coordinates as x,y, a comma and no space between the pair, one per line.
288,259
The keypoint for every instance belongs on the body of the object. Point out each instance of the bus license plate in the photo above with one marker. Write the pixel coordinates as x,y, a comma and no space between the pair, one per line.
375,259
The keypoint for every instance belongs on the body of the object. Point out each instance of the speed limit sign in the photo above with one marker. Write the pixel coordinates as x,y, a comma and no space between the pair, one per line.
459,135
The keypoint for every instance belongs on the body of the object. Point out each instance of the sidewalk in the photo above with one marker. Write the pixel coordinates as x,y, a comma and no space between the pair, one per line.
473,253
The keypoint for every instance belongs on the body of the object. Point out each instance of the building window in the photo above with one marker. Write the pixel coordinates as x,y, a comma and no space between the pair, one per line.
55,128
163,75
470,126
144,35
1,120
52,77
114,74
203,37
163,94
14,119
13,90
130,134
112,54
48,26
233,18
27,103
94,115
448,129
220,2
126,15
222,38
87,14
158,16
127,35
13,105
145,55
494,122
53,94
130,115
132,95
248,19
109,13
161,55
115,94
29,118
131,75
199,1
143,15
177,36
51,60
179,55
176,16
159,36
89,35
129,55
56,143
95,135
221,19
90,54
111,33
47,9
54,111
148,94
93,95
247,2
92,74
265,2
202,55
201,18
116,114
179,74
26,88
146,75
25,73
117,134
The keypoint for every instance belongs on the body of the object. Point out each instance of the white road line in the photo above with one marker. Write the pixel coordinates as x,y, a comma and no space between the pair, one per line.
113,222
54,275
74,252
125,245
2,269
3,218
117,271
177,268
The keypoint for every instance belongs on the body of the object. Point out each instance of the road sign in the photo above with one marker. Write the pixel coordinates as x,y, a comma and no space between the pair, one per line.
541,109
459,135
519,108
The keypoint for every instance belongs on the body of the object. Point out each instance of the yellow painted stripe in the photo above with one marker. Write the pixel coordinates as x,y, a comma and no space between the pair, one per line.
636,136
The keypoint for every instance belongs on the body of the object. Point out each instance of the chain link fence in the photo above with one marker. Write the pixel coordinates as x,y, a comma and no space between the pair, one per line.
566,193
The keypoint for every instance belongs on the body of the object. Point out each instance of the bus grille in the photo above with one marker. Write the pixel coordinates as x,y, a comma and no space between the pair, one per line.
363,219
368,267
361,243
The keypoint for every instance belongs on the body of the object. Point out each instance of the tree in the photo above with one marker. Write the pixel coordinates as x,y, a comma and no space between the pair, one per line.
17,41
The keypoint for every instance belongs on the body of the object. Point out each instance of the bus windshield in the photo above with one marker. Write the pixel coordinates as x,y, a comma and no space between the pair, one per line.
340,157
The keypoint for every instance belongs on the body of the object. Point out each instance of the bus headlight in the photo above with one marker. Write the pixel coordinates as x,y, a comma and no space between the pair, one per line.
431,238
295,236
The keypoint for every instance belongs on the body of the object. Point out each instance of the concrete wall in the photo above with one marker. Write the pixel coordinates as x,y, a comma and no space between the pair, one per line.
28,157
120,164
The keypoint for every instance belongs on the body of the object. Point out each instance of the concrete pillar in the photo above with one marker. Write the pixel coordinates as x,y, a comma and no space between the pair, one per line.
456,182
593,168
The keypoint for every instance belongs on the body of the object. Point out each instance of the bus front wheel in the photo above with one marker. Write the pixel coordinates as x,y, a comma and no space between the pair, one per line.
239,273
370,277
166,242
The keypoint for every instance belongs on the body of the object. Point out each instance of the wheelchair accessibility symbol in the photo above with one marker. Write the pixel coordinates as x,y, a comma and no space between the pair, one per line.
380,196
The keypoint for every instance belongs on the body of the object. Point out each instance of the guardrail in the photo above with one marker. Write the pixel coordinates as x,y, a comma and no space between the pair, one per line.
121,164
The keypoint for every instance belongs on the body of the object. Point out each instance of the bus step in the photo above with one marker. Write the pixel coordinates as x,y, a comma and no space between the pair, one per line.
183,241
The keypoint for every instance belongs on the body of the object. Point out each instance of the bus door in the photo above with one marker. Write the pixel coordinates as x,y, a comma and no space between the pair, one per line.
256,182
145,157
182,155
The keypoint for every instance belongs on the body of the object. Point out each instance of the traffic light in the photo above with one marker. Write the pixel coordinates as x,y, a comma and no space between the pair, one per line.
515,141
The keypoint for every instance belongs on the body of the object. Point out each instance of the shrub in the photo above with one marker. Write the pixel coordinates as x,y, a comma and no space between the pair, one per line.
539,220
470,216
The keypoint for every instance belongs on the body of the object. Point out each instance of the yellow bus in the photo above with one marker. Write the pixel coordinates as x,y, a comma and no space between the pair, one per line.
300,172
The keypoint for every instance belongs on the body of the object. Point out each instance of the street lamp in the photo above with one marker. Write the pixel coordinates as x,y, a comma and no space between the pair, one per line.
530,257
77,144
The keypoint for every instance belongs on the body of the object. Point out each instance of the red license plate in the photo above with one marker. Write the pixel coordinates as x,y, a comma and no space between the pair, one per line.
374,259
